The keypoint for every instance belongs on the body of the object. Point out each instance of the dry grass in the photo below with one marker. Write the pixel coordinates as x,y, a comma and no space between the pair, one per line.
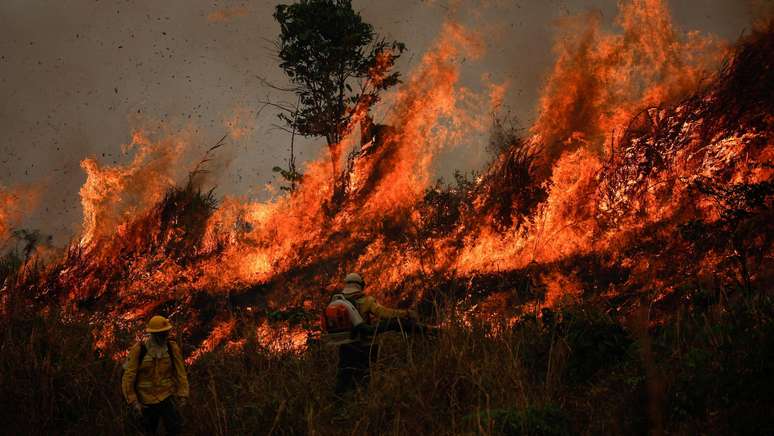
583,374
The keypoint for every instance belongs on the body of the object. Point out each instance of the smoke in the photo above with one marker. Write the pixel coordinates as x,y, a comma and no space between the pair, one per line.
8,211
14,204
73,73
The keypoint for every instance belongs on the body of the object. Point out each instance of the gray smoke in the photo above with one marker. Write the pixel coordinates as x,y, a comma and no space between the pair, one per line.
77,75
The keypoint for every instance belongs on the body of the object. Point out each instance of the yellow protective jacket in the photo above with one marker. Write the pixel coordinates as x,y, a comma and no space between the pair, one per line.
370,308
154,379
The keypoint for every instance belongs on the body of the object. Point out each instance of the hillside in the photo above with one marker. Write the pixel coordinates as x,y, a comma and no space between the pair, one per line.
585,282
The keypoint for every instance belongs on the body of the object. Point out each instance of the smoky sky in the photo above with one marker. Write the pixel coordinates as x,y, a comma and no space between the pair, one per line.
77,75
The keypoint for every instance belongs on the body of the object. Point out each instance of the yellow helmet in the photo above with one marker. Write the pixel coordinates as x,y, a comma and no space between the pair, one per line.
158,324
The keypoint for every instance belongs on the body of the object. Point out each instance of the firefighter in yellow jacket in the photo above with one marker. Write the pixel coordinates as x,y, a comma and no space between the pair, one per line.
367,316
155,383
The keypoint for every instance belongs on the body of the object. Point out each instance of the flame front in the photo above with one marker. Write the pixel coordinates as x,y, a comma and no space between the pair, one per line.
579,184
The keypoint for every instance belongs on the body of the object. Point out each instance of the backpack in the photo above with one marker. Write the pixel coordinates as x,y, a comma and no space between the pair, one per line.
339,319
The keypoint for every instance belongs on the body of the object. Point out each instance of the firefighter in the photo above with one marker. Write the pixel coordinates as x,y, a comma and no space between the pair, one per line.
154,383
351,319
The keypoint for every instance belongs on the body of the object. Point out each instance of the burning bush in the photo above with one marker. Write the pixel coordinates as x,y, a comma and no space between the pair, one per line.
511,189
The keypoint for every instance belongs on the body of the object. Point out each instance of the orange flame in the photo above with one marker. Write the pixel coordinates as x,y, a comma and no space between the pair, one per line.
600,81
296,246
113,194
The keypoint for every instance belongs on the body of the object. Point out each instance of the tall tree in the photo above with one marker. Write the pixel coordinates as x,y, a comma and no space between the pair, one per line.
337,65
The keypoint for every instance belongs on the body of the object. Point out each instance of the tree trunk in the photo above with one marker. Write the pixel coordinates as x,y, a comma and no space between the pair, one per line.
336,192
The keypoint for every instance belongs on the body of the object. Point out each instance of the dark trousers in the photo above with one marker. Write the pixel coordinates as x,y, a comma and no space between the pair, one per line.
165,411
354,366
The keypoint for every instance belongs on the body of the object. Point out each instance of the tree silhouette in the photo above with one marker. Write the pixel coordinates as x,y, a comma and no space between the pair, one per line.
337,65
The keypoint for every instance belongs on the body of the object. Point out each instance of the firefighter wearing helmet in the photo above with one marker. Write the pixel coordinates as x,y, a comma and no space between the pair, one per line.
154,383
350,320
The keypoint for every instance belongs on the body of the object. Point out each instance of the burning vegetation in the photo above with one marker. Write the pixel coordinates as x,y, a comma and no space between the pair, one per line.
629,220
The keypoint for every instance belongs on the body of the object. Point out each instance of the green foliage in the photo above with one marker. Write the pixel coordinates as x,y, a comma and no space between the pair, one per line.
336,63
291,176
